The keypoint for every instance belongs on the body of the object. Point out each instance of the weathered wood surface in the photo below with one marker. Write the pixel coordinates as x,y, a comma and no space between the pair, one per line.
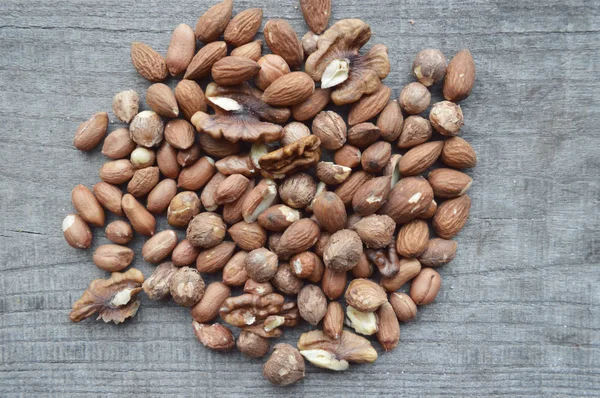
518,313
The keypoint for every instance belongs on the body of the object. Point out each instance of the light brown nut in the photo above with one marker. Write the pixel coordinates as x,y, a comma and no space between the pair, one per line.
294,131
285,281
230,189
349,187
448,183
87,205
161,195
289,89
409,268
363,134
142,157
109,196
425,287
277,218
331,173
194,177
376,156
181,49
347,156
161,100
420,158
119,232
414,98
331,130
252,345
183,208
143,181
242,28
309,42
147,129
204,59
430,211
458,153
166,159
460,76
298,190
404,307
285,366
371,195
312,304
186,286
369,106
190,98
214,21
261,264
248,236
282,40
252,50
112,258
185,253
126,105
116,172
412,238
429,66
118,144
451,216
438,252
258,288
316,14
206,230
159,247
410,197
231,70
114,299
312,106
259,199
416,130
272,67
330,212
216,336
148,63
141,220
364,268
233,212
390,121
446,118
342,251
179,133
333,321
388,333
297,238
156,286
234,272
333,283
375,231
208,307
365,295
292,158
207,196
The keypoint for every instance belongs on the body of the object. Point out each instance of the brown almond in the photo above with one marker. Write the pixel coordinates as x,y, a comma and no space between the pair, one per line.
451,216
208,307
194,177
348,156
316,14
180,133
208,193
412,238
363,134
388,328
369,105
185,253
460,77
420,158
190,98
272,67
233,70
148,63
311,106
243,27
91,132
214,259
76,232
183,208
159,246
333,321
87,205
448,183
330,127
119,232
118,144
112,258
233,212
252,50
330,211
143,181
438,252
429,212
425,287
409,268
404,307
333,283
277,218
283,41
349,187
231,189
141,220
376,157
161,100
181,49
390,121
371,195
458,153
109,196
166,159
205,59
214,21
410,197
289,89
416,130
331,173
248,236
298,237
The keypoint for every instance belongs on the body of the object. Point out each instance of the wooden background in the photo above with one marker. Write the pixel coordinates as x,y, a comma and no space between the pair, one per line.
518,313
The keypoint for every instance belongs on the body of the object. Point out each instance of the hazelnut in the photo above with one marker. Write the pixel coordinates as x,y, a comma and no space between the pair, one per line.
309,42
285,366
331,129
375,231
272,67
183,207
365,295
294,131
186,286
312,304
285,280
446,118
252,345
429,66
206,230
298,190
348,156
376,156
342,251
157,285
261,264
416,130
147,129
414,98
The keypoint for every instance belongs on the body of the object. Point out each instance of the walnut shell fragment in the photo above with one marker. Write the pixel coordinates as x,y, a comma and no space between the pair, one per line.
297,156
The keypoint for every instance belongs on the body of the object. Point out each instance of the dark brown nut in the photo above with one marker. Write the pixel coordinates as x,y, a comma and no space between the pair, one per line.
416,130
206,230
420,158
249,309
365,295
330,212
142,157
362,269
438,252
259,199
234,272
430,211
446,118
109,196
371,196
252,50
429,66
292,158
215,258
233,212
309,42
261,264
285,366
143,181
404,307
277,218
114,299
388,333
333,283
448,183
236,164
190,98
141,220
297,190
458,153
331,173
376,156
243,27
414,98
207,196
214,21
387,262
87,205
425,287
183,208
185,253
312,304
364,134
189,156
208,307
390,121
348,156
157,286
231,189
252,345
166,159
91,132
282,40
409,268
216,336
333,321
325,352
297,238
119,232
412,238
331,130
248,236
369,106
181,49
218,148
126,105
258,288
272,67
116,172
148,63
312,106
410,197
451,216
231,70
342,251
348,188
294,131
337,62
186,286
118,144
112,258
290,89
375,231
460,77
161,195
161,100
159,246
147,129
196,176
285,281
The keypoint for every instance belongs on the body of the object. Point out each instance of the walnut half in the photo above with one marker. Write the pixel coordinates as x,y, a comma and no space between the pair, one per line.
297,156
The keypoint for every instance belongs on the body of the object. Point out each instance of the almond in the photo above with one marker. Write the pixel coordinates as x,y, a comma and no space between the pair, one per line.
231,189
185,253
242,28
331,173
180,133
76,232
283,41
409,268
363,134
272,67
208,307
388,333
166,158
349,187
458,153
91,132
390,121
190,98
215,258
233,70
141,220
181,49
188,156
331,130
333,321
197,175
376,157
298,237
460,77
118,144
348,156
451,216
277,218
205,59
248,236
342,251
183,207
119,232
109,196
410,197
438,252
126,105
233,212
259,199
214,21
375,231
369,105
416,130
252,50
448,183
143,181
87,205
316,14
311,106
330,211
365,295
161,100
148,63
371,195
412,238
289,89
430,211
112,258
333,283
420,158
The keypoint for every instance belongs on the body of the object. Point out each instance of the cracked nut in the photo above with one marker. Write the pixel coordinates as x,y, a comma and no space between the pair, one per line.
248,309
186,286
262,196
285,366
362,322
388,264
335,354
156,286
216,336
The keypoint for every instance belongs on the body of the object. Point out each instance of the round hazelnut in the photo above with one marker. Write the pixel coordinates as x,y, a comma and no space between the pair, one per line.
446,118
312,304
298,190
147,129
342,251
142,157
261,264
285,366
331,129
416,130
347,156
272,67
414,98
285,280
363,134
293,131
186,286
183,207
376,230
309,42
429,66
252,345
206,230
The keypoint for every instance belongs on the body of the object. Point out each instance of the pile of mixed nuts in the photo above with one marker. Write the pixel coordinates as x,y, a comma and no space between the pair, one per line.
260,197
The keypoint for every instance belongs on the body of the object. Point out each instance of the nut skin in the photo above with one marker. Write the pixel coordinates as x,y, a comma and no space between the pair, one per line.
277,218
208,307
283,41
214,21
148,63
371,196
416,130
446,118
119,232
342,251
252,345
414,98
261,264
388,333
375,231
330,212
147,129
425,287
272,67
141,220
87,205
159,246
412,238
216,336
109,196
438,252
376,156
234,272
118,144
347,156
333,321
448,183
331,130
294,131
363,134
333,283
156,286
285,366
429,66
390,121
166,159
285,281
214,259
185,253
248,236
206,230
409,268
312,304
458,153
126,105
161,196
404,306
297,238
186,286
190,98
460,77
112,258
451,216
91,132
297,190
365,295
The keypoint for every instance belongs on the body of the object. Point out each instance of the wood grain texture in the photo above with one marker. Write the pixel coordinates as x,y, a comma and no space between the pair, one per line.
519,309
